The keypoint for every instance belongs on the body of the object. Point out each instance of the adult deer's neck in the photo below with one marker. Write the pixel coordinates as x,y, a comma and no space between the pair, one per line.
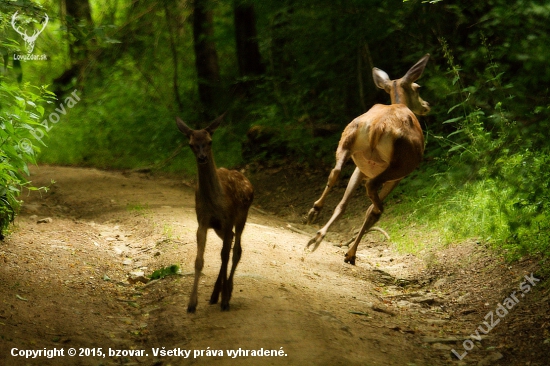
209,189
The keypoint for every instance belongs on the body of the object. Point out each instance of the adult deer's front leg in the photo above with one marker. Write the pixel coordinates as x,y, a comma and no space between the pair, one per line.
199,263
354,182
373,215
342,155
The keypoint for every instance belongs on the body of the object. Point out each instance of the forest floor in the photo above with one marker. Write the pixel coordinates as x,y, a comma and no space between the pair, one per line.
66,275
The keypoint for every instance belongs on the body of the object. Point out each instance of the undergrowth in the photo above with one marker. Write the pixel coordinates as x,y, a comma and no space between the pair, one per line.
487,178
21,110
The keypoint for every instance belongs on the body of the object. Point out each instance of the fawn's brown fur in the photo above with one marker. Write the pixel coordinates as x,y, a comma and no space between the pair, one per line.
222,200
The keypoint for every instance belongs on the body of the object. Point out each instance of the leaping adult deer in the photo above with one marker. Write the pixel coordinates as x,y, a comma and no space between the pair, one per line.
29,40
222,200
386,144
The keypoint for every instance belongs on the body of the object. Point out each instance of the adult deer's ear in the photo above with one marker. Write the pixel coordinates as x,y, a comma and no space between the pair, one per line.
183,127
381,79
215,124
416,71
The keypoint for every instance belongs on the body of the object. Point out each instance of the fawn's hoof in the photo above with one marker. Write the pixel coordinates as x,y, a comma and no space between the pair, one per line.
191,308
349,259
225,307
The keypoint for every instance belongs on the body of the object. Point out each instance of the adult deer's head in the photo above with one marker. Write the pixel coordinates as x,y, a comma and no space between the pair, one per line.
405,90
200,141
29,40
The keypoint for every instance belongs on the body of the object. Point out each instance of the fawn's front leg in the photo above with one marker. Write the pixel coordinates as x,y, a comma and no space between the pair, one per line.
199,263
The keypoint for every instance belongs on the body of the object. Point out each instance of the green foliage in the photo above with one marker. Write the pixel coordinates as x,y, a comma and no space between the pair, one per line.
492,182
165,271
126,116
21,111
503,157
487,81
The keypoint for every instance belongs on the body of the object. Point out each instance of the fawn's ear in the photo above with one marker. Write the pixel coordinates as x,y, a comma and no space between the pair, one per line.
215,124
416,71
381,79
183,127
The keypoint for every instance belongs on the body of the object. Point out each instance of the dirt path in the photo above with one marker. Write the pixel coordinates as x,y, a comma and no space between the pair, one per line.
64,284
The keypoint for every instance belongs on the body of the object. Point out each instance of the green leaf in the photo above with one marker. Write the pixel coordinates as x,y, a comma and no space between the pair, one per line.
9,128
453,120
454,107
456,147
455,132
166,271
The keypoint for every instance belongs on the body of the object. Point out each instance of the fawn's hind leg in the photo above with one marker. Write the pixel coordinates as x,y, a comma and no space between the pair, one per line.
221,282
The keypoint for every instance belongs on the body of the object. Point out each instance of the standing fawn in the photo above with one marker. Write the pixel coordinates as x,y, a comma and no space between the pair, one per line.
222,200
386,144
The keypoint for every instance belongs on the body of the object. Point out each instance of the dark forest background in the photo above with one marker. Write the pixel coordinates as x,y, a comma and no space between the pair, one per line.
291,75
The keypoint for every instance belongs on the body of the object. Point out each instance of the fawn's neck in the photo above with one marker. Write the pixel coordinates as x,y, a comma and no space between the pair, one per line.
209,189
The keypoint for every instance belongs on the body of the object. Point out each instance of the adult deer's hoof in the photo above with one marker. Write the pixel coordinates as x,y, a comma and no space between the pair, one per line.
312,215
225,307
349,259
317,239
191,309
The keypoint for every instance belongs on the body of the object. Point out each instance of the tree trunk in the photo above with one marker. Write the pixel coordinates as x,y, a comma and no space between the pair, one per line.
174,30
248,51
206,58
76,11
280,57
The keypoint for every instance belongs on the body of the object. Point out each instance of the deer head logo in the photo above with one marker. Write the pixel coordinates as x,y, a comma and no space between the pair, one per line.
29,40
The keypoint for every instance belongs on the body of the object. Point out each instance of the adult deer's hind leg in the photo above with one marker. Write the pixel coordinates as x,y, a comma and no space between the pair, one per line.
342,155
353,183
372,216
